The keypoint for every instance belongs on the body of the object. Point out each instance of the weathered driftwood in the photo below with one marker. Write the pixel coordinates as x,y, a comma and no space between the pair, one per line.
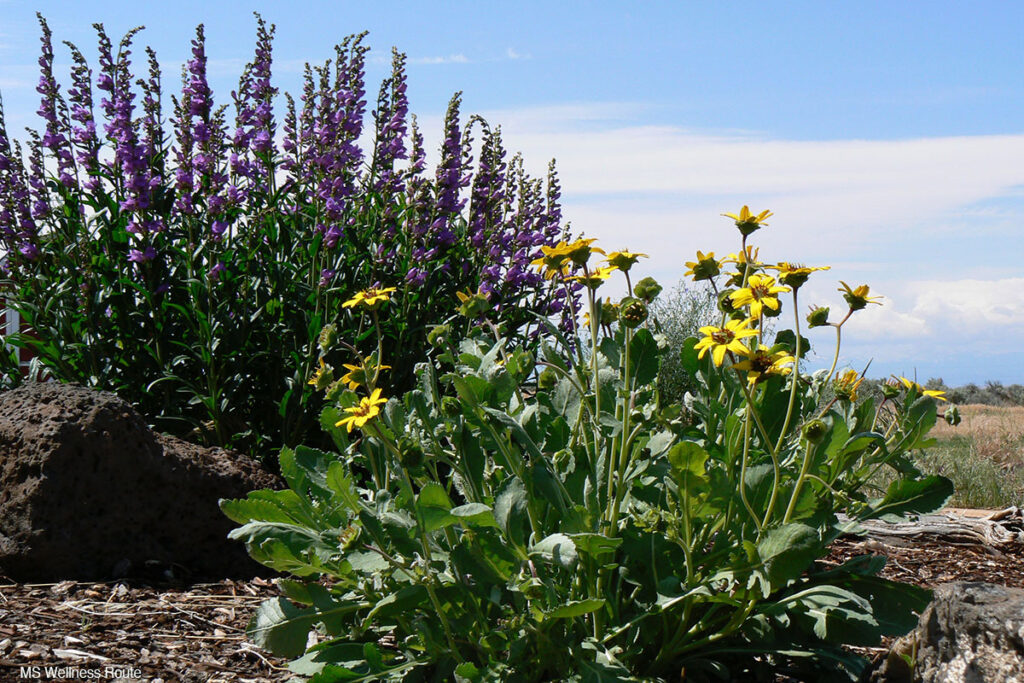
994,531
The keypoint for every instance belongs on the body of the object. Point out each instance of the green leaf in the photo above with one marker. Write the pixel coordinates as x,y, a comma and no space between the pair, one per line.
281,627
787,551
575,608
595,544
474,515
557,549
688,461
510,509
434,507
643,357
908,496
787,339
688,356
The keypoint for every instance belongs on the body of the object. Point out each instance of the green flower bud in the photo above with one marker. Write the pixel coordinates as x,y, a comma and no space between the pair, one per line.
647,289
335,390
328,337
438,336
952,416
890,389
814,431
609,313
348,536
473,305
818,317
532,588
450,406
725,301
547,379
632,312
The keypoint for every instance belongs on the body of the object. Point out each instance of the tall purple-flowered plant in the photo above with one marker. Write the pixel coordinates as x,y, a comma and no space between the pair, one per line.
199,258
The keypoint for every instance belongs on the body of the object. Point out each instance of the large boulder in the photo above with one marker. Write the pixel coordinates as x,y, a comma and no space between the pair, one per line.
970,633
88,491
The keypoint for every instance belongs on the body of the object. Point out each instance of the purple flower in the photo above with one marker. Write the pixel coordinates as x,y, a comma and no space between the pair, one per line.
142,256
29,250
326,275
215,272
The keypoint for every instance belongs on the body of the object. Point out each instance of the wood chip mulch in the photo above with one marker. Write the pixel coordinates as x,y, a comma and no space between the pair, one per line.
191,634
138,632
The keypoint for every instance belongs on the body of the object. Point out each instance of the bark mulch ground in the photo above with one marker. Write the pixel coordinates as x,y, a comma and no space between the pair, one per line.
164,633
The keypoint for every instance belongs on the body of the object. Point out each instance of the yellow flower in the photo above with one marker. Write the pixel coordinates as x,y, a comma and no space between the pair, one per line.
746,257
359,415
553,260
580,250
323,376
759,292
762,363
369,298
748,222
595,278
356,375
746,264
704,268
845,384
722,339
914,386
473,304
624,260
858,298
794,274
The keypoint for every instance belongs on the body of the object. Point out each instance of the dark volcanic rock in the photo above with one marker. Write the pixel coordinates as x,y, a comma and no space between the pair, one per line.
970,633
88,491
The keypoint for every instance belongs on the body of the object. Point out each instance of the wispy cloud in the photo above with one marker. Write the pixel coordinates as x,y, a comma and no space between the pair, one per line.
450,59
512,53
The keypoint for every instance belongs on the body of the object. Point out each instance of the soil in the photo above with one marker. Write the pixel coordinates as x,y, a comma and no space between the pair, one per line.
197,633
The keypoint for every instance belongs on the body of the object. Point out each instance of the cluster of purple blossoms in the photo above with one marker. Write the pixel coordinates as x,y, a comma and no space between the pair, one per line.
130,167
16,222
54,139
200,168
252,146
481,226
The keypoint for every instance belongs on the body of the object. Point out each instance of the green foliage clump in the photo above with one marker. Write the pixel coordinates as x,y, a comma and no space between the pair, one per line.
478,529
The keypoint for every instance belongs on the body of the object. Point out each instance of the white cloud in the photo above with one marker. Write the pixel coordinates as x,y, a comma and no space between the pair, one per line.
450,59
972,303
511,53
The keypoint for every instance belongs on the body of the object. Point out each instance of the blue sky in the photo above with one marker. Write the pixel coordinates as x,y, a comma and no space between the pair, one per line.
887,137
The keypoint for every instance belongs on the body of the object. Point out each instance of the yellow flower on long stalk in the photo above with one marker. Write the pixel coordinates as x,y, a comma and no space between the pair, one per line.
720,340
624,260
705,267
594,278
553,261
357,374
747,222
921,391
761,363
369,298
358,415
746,264
794,274
323,376
579,251
761,291
845,384
858,298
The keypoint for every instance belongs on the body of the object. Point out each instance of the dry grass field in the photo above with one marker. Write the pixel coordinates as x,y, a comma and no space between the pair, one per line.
983,455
